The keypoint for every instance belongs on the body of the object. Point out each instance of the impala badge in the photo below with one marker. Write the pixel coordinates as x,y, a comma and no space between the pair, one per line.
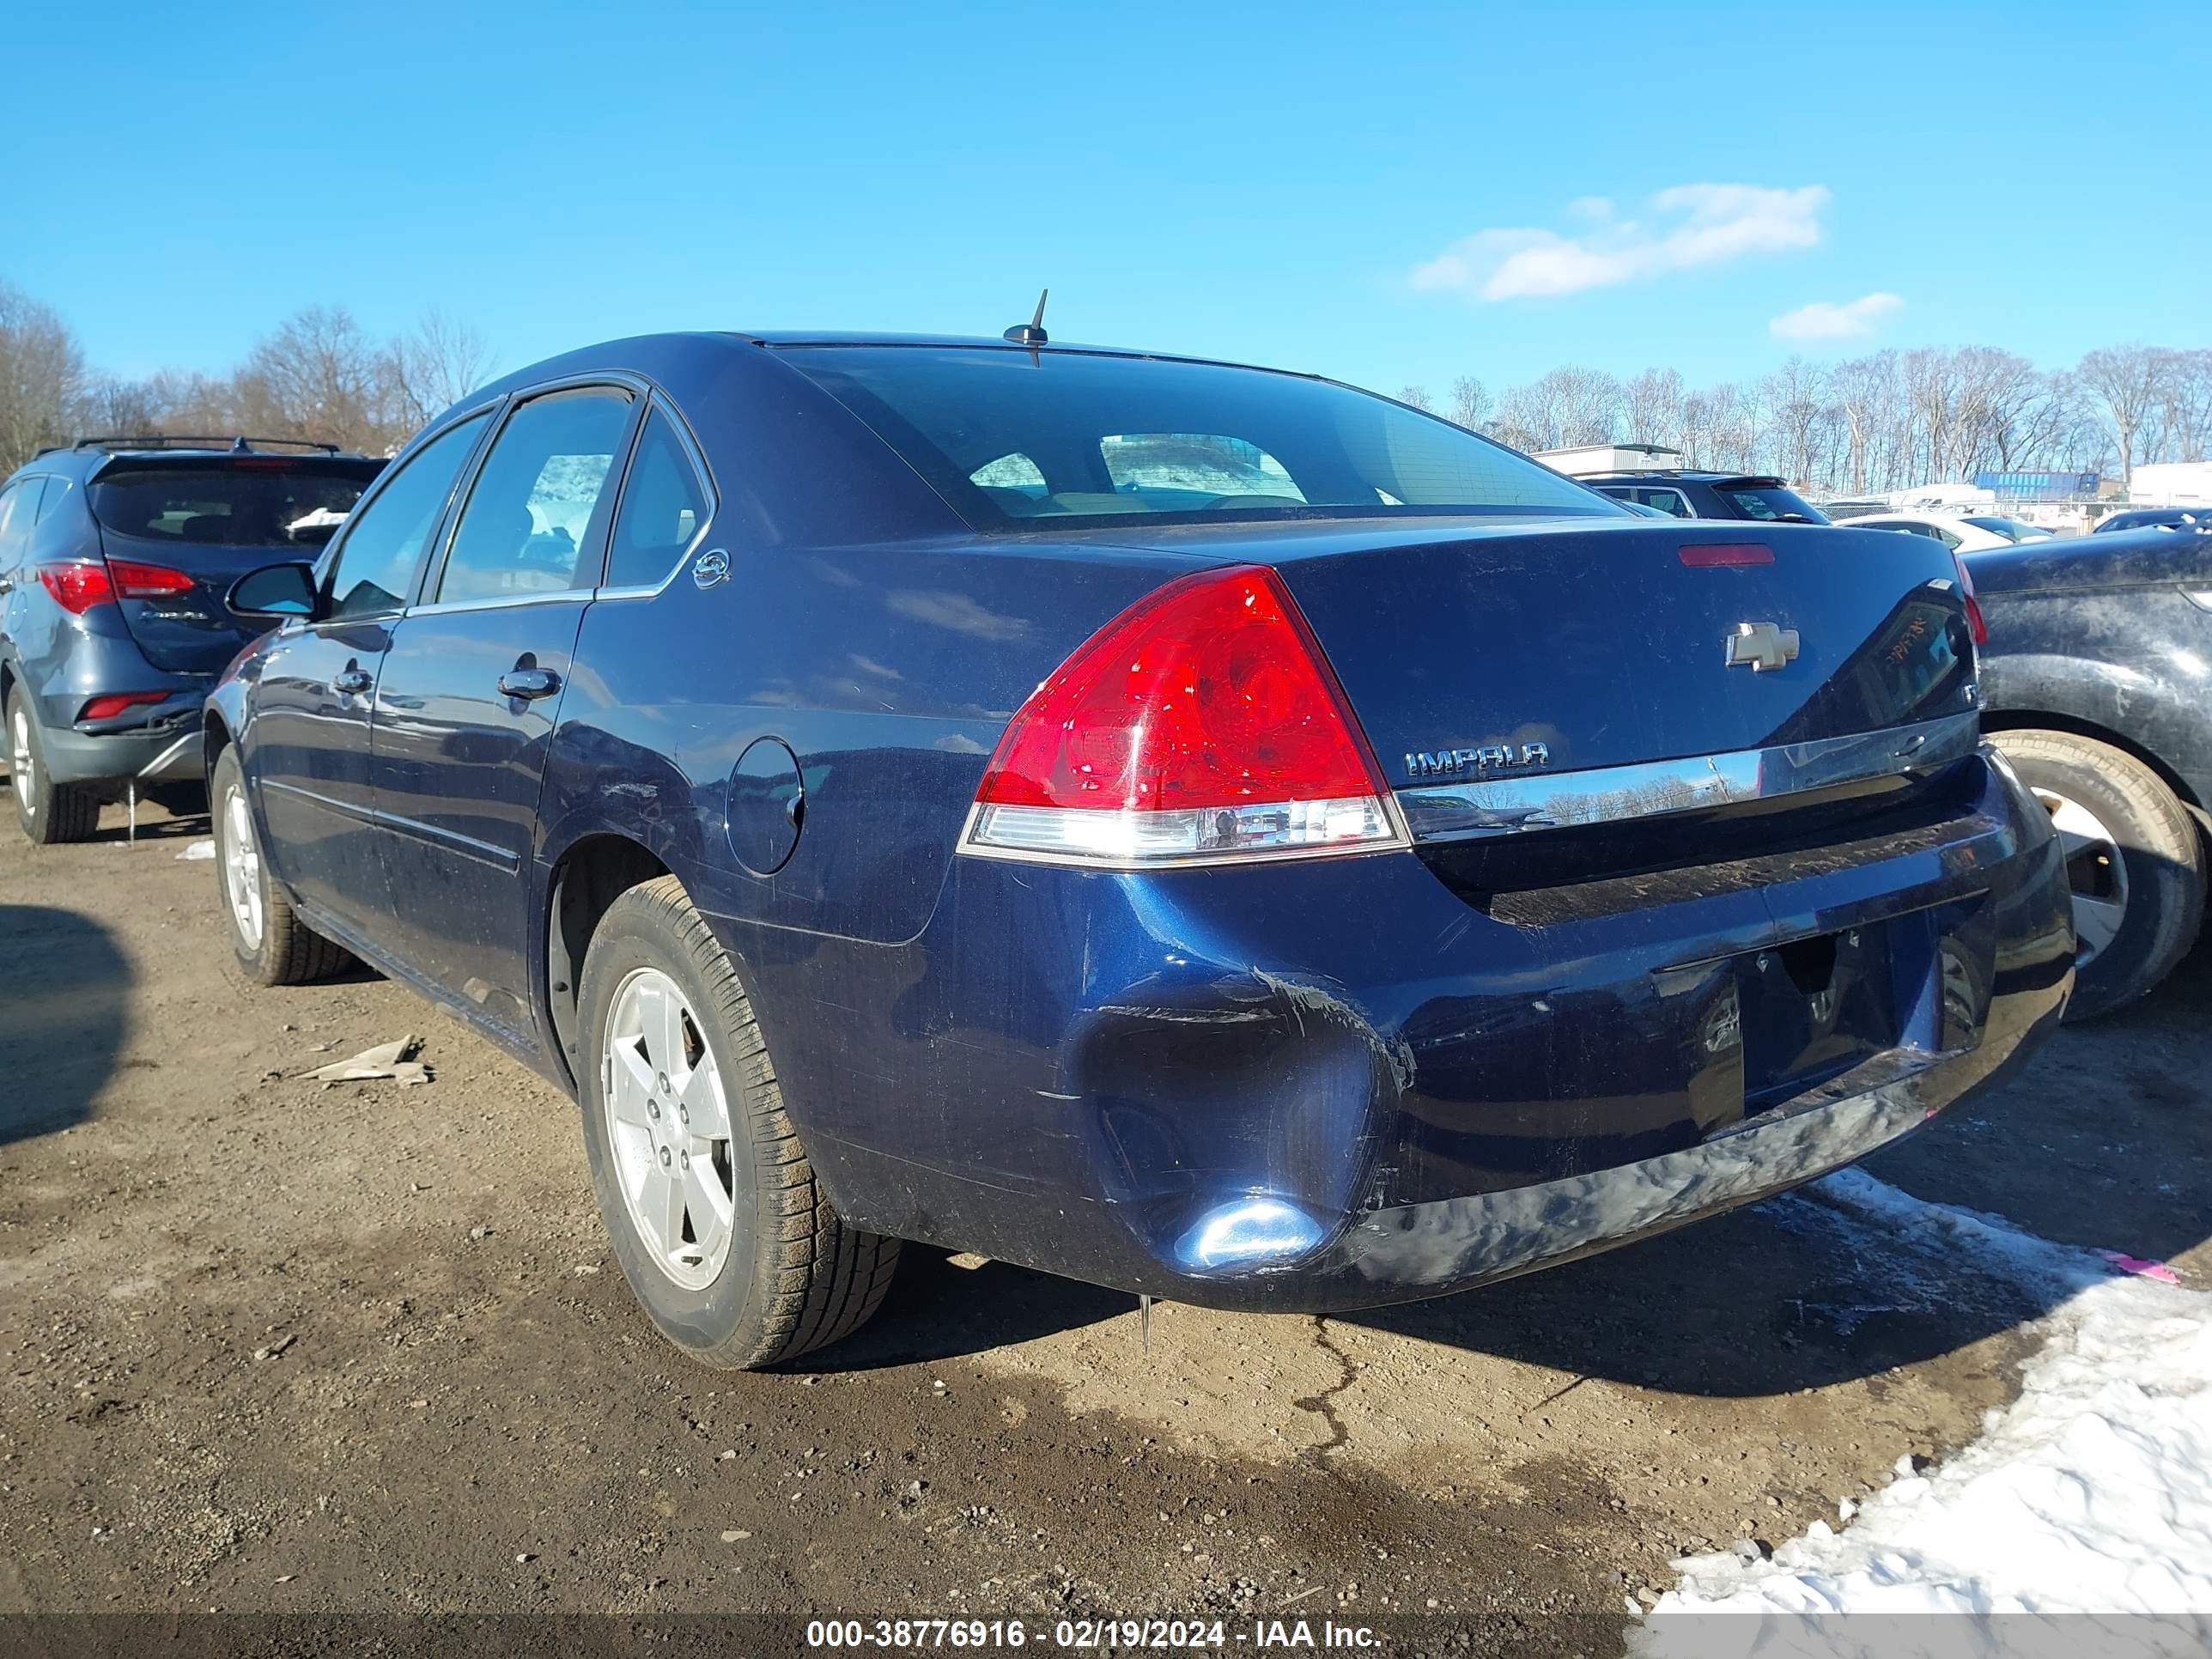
1762,644
1494,756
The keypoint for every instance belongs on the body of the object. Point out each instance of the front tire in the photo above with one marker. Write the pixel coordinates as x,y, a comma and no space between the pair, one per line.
723,1232
2134,860
49,813
268,941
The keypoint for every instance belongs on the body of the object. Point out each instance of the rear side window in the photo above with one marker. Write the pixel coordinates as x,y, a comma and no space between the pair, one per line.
664,507
376,561
273,503
532,508
19,504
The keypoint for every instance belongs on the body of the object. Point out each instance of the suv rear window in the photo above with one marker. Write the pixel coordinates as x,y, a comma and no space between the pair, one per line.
279,503
1068,438
1772,501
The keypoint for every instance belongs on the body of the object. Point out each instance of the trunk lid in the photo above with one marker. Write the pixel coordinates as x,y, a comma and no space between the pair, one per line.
1610,645
211,518
191,631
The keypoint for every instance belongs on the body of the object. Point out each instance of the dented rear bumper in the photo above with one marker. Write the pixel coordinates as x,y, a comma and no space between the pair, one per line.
1344,1083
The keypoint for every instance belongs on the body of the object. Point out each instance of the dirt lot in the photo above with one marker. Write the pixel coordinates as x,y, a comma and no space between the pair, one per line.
268,1346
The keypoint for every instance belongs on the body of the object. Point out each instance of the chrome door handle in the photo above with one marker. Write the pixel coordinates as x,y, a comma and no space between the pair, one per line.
529,684
352,683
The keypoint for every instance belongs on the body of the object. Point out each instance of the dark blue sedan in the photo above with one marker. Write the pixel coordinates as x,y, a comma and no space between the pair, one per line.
1203,830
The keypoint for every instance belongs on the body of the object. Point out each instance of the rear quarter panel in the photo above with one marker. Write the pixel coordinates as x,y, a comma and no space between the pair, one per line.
889,671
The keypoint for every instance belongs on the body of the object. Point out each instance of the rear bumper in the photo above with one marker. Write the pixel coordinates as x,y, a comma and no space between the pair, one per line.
166,752
1339,1084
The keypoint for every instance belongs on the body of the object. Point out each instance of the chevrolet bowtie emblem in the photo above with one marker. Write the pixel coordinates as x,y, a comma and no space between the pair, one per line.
1762,644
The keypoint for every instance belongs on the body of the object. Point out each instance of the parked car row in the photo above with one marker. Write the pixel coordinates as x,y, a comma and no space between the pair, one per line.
1203,830
115,554
2096,685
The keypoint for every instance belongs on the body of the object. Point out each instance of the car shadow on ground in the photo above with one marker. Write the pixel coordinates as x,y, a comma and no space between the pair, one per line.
65,992
2103,1140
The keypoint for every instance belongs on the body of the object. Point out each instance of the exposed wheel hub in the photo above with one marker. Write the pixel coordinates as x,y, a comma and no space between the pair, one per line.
2096,874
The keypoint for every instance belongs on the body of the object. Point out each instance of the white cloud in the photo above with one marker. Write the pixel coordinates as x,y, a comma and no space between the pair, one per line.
1681,228
1823,321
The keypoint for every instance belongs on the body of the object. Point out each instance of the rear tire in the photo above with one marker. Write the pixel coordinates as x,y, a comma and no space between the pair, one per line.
2134,861
714,1211
49,813
269,942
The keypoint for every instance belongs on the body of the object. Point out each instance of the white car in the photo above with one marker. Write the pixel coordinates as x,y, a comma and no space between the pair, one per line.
1961,535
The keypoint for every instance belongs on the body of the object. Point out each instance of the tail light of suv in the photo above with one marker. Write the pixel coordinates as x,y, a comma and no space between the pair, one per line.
1200,725
79,584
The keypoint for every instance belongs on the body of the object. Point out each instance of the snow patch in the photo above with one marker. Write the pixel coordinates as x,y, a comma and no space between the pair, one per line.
2091,1494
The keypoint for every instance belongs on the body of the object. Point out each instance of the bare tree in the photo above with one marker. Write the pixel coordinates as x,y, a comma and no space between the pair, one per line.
1793,398
436,366
1418,396
1470,405
2126,383
319,376
2186,405
1652,408
41,372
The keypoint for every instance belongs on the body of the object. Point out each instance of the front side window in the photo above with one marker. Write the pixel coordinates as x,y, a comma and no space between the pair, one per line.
1109,437
531,510
376,560
1194,468
663,506
1010,472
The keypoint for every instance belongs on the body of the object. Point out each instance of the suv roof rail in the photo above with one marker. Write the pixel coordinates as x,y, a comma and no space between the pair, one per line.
199,440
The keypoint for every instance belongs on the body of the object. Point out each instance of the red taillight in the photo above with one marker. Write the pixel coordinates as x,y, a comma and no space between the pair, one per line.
1975,624
134,581
77,588
1201,722
1720,553
108,706
80,584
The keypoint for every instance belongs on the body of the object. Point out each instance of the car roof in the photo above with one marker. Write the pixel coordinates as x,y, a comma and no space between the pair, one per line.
85,456
1688,475
786,338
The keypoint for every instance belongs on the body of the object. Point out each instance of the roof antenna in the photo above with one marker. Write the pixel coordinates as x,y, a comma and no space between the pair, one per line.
1030,333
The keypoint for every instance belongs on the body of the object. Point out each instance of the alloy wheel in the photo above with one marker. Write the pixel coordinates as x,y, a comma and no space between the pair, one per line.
2095,872
23,765
241,868
668,1127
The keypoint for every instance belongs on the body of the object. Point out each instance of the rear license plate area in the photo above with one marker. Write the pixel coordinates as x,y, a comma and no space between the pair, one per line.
1814,1008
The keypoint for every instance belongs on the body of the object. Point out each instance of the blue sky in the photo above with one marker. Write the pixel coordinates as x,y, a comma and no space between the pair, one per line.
1384,194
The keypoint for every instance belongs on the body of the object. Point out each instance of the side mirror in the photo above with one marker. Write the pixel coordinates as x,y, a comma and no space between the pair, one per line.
280,592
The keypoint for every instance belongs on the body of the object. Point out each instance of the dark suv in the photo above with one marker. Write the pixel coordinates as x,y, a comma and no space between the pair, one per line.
114,556
1711,495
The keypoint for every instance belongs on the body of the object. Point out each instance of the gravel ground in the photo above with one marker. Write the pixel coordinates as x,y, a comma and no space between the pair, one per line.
271,1346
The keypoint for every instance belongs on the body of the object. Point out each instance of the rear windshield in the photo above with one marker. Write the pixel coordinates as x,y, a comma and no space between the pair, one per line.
1064,438
1772,501
261,504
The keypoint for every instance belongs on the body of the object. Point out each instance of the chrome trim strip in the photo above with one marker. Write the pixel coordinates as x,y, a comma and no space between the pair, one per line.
499,602
1477,808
